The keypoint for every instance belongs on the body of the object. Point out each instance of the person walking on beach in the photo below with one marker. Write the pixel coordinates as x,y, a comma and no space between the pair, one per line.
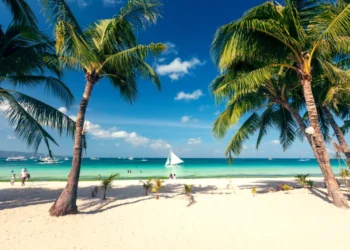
174,176
170,176
99,177
13,179
24,175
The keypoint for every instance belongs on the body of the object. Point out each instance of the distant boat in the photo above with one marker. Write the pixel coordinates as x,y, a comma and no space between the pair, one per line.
270,159
143,159
66,158
33,158
303,159
173,160
48,160
131,158
94,158
16,158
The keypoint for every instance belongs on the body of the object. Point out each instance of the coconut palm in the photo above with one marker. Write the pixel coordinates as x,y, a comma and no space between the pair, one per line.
26,59
294,38
106,49
158,184
147,185
106,184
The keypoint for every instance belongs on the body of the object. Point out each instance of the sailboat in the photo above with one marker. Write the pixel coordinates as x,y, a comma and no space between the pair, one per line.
173,160
143,159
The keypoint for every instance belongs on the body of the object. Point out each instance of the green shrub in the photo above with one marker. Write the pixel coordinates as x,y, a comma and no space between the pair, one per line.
310,183
147,185
301,178
188,189
254,190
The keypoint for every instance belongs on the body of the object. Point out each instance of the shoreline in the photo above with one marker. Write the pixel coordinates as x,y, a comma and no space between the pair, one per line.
90,179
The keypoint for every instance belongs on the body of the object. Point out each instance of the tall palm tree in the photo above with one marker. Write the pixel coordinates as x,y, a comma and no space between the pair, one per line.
296,38
106,49
27,60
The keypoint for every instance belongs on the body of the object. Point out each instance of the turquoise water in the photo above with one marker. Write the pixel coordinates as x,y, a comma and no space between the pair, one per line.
192,168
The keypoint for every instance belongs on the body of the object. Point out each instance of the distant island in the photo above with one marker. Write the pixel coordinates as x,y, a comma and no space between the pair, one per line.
5,154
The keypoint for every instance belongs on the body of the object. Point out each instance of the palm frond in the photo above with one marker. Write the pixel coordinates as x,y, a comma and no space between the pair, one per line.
247,129
22,13
50,84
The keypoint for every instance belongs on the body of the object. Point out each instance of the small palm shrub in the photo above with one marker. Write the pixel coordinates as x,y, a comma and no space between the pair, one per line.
158,184
301,178
286,187
254,189
106,184
310,183
344,174
94,192
188,189
147,185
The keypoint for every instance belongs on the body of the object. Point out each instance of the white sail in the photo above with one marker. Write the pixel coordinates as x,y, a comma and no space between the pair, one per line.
173,160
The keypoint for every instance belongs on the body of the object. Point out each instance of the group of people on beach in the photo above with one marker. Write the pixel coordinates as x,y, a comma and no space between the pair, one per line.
24,176
172,177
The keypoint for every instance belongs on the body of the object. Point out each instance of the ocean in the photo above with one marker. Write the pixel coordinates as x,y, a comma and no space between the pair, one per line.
154,167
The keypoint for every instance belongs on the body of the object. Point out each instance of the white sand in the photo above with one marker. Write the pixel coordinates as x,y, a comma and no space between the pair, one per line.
219,219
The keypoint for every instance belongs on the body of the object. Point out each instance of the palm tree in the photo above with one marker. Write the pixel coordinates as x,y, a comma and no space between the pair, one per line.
158,184
106,49
294,38
147,185
106,184
26,55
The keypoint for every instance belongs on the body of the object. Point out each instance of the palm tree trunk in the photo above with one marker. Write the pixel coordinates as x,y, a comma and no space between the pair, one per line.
302,127
338,133
317,139
104,194
66,202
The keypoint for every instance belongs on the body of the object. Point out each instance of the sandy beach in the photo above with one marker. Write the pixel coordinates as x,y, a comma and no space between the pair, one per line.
220,218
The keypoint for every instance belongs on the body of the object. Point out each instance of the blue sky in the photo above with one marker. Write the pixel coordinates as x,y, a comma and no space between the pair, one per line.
182,114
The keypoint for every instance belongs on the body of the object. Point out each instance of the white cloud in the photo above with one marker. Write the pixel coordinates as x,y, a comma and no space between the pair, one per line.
162,59
195,95
203,107
194,141
159,144
276,142
177,68
97,132
185,119
217,113
81,3
63,110
111,3
188,119
170,49
11,137
136,140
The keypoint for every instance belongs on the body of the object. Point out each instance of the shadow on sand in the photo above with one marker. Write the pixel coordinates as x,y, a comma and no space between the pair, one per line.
126,195
29,196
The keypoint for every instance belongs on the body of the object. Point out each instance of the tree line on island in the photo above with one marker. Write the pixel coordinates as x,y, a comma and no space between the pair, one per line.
284,67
